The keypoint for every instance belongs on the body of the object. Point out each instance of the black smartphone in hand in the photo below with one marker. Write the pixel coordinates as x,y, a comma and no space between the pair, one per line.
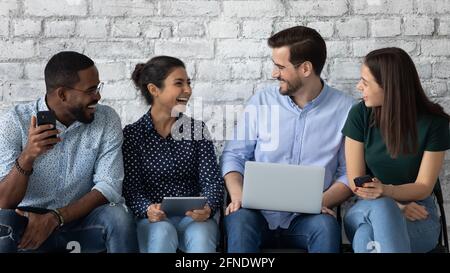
46,117
359,181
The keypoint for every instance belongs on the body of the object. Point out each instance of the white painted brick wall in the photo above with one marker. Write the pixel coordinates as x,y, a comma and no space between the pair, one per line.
256,29
8,7
11,71
223,42
59,28
386,27
318,8
26,27
189,29
259,9
441,69
444,26
16,49
130,8
377,7
55,7
433,6
223,29
213,71
439,47
418,26
231,48
92,28
34,71
355,27
326,29
193,8
4,27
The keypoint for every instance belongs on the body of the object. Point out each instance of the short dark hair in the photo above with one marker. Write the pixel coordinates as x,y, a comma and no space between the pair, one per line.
305,44
154,71
62,69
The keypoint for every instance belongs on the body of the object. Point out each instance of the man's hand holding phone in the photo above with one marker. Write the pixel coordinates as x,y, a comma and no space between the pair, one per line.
41,138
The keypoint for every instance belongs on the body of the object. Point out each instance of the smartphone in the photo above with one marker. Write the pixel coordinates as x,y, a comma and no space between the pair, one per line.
46,117
359,181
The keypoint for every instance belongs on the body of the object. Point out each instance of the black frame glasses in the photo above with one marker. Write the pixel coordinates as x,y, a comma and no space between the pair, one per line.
90,91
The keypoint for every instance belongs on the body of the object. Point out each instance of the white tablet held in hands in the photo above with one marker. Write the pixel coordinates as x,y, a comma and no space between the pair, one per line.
178,206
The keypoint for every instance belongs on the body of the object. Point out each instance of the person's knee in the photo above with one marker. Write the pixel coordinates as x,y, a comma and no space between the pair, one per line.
204,231
12,226
157,237
118,218
201,237
240,218
384,203
163,230
328,226
383,208
5,231
11,223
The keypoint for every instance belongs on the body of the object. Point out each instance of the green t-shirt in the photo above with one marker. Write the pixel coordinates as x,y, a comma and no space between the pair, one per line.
433,136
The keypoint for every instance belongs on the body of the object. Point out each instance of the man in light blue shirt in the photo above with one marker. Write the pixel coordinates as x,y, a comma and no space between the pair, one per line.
60,188
298,122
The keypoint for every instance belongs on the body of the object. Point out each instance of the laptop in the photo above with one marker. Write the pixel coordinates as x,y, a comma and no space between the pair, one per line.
283,187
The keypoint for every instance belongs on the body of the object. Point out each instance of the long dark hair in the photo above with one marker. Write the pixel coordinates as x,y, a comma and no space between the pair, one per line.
154,71
404,99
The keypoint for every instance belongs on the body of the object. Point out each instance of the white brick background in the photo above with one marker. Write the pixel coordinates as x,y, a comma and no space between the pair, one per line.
222,42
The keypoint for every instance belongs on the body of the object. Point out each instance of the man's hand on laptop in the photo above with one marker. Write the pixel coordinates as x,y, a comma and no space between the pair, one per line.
326,210
233,206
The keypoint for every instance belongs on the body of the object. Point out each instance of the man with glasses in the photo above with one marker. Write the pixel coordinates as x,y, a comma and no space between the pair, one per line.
311,116
60,186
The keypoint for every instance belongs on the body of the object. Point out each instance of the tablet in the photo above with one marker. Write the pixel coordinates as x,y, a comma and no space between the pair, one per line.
178,206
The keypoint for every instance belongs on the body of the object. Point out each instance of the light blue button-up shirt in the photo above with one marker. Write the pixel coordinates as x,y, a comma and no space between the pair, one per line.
275,129
88,157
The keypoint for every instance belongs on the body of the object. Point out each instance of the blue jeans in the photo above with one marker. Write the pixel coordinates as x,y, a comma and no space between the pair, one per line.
107,228
380,226
177,233
248,231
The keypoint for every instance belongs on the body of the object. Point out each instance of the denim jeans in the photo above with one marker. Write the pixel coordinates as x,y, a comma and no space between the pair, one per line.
107,228
380,226
177,233
248,231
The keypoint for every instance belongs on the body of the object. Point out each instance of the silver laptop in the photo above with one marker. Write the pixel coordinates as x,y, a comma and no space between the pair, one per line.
283,187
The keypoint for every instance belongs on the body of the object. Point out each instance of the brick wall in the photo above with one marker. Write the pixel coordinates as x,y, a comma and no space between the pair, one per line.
223,43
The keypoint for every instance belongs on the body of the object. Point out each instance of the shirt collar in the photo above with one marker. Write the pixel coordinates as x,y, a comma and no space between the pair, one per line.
315,102
42,106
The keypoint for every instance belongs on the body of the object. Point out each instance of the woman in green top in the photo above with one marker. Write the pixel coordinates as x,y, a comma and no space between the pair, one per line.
398,137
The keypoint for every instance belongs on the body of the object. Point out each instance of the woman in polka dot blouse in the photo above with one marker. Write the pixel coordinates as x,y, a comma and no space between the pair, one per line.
169,154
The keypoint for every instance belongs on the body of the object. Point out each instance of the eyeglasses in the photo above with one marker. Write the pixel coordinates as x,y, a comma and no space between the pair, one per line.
280,68
91,91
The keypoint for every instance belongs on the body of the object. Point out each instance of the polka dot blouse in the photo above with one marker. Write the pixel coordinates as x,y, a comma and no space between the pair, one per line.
174,166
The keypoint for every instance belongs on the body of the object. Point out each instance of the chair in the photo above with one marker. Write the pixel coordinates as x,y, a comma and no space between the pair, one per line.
442,246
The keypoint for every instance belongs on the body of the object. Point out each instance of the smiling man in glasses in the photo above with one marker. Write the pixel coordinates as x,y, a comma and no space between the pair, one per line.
310,117
64,192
